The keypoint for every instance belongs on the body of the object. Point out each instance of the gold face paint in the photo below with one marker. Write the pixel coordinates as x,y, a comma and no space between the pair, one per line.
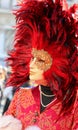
43,60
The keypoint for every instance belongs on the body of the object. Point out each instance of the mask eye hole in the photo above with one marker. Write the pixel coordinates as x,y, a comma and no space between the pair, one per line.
32,58
41,60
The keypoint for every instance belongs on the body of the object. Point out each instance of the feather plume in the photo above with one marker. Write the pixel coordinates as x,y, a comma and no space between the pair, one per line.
48,25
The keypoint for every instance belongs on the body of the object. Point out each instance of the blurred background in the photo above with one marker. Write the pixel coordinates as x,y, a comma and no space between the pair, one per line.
7,21
6,28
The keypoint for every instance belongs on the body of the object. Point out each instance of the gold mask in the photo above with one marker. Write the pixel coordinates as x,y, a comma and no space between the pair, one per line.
43,60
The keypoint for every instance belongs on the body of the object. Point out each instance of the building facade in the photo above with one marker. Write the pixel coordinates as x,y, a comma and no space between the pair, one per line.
7,21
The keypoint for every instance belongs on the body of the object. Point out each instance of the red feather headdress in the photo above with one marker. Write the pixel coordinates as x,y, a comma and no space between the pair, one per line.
52,26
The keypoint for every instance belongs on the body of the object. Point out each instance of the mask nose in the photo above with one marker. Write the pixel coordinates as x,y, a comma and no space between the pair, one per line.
32,63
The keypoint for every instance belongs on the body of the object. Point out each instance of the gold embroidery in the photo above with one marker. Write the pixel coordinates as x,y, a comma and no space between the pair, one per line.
57,108
25,98
66,122
46,120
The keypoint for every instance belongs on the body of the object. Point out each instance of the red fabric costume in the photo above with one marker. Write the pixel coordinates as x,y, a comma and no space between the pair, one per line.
52,28
26,107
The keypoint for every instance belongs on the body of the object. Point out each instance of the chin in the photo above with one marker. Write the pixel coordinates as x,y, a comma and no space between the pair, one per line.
32,78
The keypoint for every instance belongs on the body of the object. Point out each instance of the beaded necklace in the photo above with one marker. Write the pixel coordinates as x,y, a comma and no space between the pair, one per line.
48,96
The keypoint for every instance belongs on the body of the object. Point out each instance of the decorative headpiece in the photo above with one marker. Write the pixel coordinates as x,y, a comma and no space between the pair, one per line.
52,27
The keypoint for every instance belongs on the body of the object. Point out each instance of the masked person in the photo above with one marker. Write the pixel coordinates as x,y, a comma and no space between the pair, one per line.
44,67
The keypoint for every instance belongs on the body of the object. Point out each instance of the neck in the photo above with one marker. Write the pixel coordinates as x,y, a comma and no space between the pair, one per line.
38,82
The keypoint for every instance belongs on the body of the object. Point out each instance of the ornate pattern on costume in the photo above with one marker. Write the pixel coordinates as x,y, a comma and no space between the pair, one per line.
26,107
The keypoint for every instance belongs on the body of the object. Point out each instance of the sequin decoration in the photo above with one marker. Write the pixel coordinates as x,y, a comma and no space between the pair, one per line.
43,59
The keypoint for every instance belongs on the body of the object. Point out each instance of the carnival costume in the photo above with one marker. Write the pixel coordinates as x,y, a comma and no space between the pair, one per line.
48,32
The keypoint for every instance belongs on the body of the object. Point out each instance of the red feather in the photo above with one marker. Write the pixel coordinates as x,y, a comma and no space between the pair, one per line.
50,26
